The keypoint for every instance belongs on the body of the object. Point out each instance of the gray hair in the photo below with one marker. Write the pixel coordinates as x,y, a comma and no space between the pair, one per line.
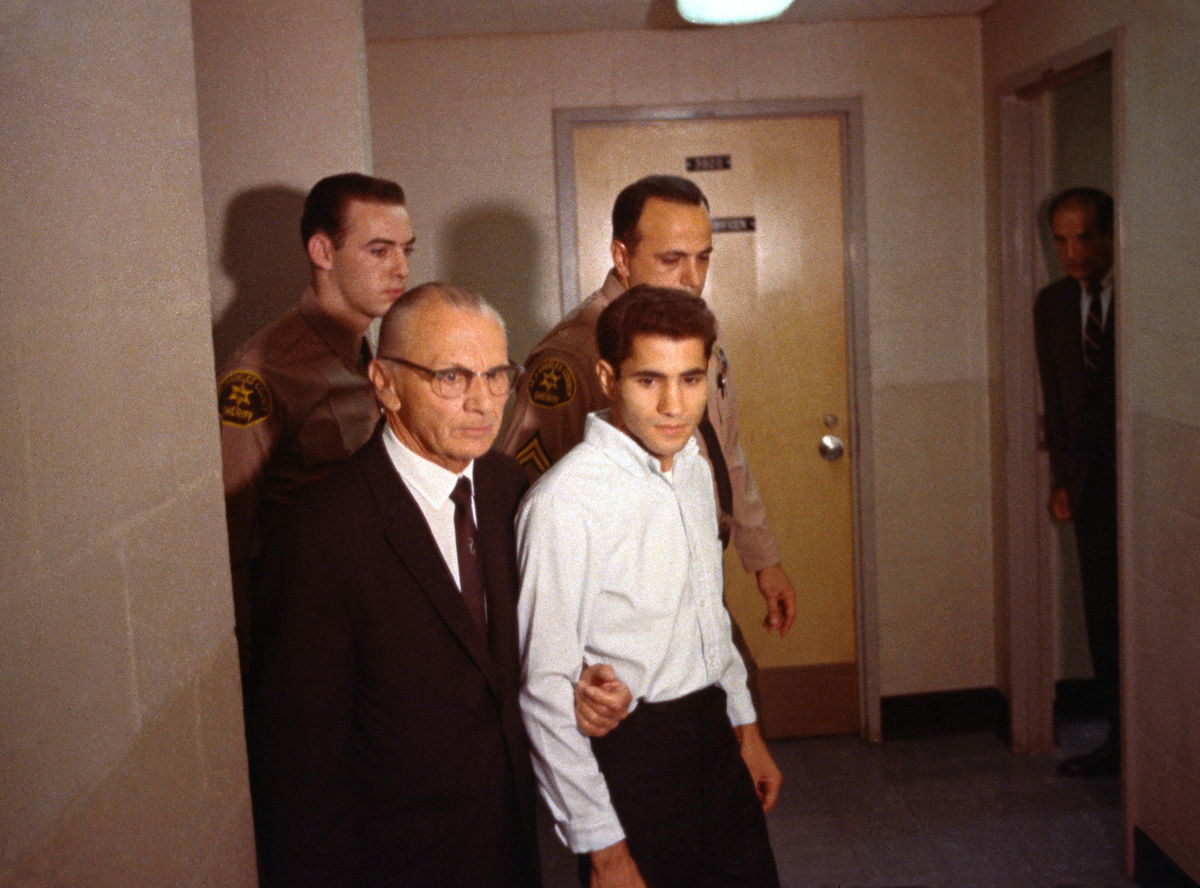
395,323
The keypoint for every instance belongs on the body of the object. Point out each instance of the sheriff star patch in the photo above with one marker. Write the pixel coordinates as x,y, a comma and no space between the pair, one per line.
551,384
243,399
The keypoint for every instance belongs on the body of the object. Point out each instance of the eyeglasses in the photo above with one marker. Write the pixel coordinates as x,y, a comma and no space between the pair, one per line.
454,382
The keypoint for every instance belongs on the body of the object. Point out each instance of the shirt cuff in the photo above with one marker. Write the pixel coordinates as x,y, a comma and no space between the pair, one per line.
740,708
582,838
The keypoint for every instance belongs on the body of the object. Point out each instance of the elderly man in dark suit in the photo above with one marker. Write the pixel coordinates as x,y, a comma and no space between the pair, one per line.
388,746
1074,326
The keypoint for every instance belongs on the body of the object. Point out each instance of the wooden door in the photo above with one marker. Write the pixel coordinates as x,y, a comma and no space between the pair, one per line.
777,285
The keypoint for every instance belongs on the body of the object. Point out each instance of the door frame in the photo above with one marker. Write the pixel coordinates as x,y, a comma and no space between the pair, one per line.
849,111
1029,566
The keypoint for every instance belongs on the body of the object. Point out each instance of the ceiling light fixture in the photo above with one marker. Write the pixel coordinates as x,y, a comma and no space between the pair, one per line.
730,12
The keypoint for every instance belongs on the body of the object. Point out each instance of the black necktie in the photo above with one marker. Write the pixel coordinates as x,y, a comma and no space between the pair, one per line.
1093,335
470,565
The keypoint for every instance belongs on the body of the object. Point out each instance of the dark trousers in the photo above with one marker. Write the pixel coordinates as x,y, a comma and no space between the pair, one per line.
687,803
1096,540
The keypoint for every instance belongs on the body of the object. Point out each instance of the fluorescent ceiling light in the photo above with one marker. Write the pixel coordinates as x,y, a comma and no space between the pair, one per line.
730,12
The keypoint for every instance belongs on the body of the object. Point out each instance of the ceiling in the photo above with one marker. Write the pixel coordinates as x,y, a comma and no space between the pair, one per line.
416,19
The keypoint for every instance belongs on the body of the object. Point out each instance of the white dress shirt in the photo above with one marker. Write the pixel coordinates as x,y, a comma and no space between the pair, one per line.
620,564
431,486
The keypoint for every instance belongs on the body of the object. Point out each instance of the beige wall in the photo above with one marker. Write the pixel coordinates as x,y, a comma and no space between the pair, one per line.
1158,202
120,721
281,90
466,126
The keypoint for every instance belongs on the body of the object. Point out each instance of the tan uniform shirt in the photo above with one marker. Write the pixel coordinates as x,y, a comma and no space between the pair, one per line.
559,388
294,400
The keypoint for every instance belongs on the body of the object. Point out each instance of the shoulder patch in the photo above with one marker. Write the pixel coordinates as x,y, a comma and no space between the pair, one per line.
532,453
551,384
243,399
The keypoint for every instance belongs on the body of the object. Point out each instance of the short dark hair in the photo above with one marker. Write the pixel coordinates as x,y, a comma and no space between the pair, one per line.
646,310
325,206
627,209
1099,202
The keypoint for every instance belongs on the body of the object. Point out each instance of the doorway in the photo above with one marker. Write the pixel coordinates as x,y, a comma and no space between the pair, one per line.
782,284
1056,131
1081,138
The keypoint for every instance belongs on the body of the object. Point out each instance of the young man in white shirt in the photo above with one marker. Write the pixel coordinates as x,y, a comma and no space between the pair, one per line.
620,561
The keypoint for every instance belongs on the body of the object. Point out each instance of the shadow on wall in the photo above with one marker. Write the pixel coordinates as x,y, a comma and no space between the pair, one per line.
494,249
262,254
1053,264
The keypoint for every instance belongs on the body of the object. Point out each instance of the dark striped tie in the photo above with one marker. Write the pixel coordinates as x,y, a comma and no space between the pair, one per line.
470,564
1093,335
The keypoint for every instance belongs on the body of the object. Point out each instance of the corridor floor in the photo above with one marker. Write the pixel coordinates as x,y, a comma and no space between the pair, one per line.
939,812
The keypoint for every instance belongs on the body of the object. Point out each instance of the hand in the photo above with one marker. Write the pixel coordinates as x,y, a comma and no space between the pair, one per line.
763,770
614,867
777,589
601,700
1060,504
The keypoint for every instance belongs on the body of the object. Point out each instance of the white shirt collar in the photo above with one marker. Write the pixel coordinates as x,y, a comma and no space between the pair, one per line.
625,450
1106,285
423,477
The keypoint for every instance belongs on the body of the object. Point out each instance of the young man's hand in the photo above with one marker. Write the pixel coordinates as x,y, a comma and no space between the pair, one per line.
767,776
614,867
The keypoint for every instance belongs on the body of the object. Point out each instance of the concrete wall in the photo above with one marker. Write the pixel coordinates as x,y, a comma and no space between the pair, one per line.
120,722
465,125
1158,203
121,717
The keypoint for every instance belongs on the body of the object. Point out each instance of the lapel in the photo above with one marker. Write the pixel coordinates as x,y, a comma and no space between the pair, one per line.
1108,347
1070,343
413,543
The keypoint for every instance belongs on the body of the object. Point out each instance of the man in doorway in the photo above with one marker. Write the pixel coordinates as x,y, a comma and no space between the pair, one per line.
386,724
294,399
1074,328
662,235
620,560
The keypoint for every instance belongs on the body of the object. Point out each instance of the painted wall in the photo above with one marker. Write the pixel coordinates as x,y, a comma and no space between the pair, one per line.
281,89
1158,204
120,717
465,126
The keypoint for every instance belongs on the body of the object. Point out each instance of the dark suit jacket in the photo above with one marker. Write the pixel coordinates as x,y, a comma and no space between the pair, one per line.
1079,424
388,747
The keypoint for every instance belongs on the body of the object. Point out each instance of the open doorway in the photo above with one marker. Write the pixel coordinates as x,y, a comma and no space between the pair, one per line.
1057,131
1081,139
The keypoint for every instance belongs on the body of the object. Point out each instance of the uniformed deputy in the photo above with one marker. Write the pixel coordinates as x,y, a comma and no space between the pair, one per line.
662,236
294,399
